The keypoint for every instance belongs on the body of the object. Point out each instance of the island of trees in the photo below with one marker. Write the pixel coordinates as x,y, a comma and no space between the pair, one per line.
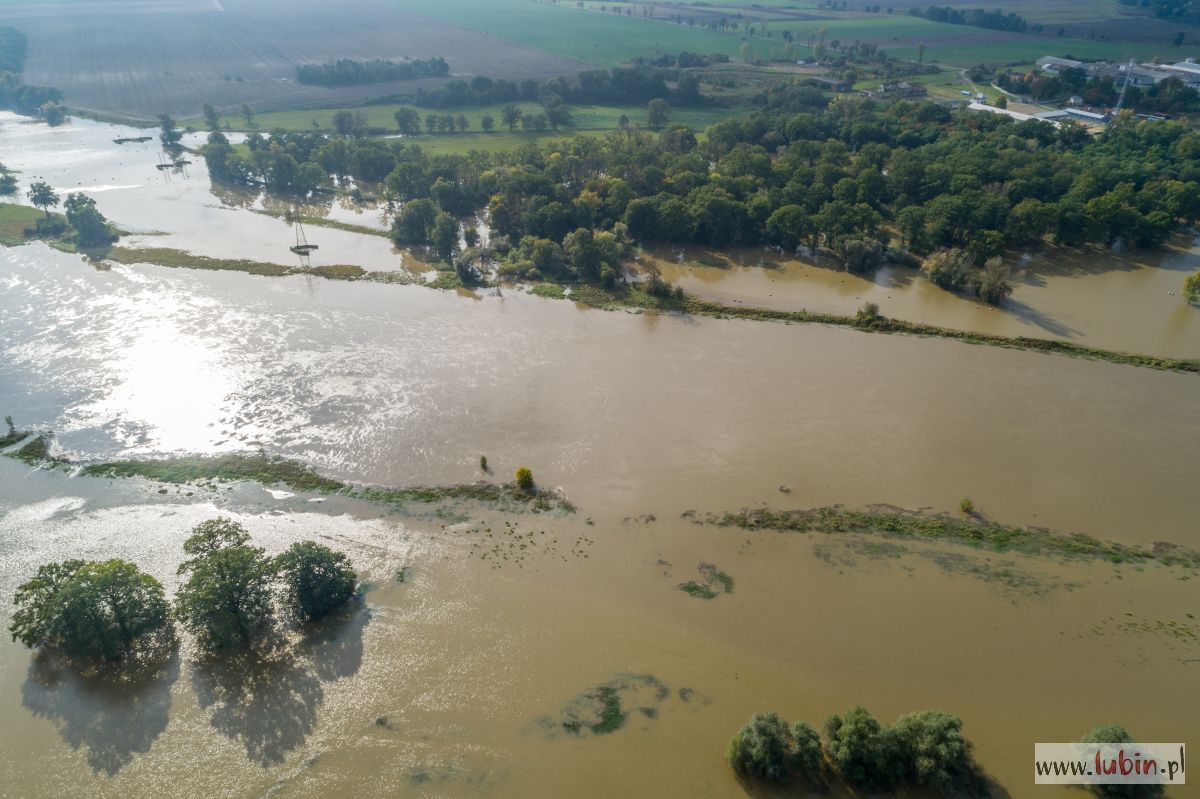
234,596
924,750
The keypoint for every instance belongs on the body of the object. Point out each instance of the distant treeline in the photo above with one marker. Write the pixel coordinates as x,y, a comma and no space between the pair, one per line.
684,60
617,86
1173,10
979,18
345,72
24,98
17,95
13,47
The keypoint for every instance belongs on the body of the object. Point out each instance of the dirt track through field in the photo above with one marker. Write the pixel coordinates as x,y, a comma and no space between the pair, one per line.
144,58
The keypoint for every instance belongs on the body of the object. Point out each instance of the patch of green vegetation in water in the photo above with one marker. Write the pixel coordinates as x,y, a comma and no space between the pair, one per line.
257,468
605,708
713,582
976,531
695,589
35,452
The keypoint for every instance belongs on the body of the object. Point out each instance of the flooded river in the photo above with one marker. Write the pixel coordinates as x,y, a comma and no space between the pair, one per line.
456,680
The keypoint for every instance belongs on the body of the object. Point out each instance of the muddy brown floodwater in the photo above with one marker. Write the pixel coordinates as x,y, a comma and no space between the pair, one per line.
458,680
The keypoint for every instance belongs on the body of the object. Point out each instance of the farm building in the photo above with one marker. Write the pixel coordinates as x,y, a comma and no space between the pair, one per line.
897,89
1137,74
1053,65
829,84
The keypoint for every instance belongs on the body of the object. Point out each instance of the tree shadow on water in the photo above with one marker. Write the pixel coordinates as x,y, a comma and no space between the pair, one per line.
269,702
112,717
269,705
1030,315
334,646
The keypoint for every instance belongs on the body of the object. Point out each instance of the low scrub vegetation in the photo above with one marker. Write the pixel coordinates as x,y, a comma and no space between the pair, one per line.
974,530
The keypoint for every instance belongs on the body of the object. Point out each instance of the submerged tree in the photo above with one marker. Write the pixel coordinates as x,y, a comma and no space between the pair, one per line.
317,580
226,600
995,282
1191,287
861,749
764,747
95,610
91,228
933,752
169,135
1116,734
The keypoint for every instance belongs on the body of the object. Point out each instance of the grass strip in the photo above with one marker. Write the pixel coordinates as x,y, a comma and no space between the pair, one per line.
973,531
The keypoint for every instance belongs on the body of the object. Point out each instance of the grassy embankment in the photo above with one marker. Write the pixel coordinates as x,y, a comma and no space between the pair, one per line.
973,530
16,219
208,471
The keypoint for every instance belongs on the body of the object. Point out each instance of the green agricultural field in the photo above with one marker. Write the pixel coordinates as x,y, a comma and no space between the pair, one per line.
900,35
603,40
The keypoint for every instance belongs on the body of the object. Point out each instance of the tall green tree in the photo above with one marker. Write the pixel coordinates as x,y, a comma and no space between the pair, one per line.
211,118
169,134
317,580
96,610
43,196
511,116
226,600
445,235
91,228
408,121
658,113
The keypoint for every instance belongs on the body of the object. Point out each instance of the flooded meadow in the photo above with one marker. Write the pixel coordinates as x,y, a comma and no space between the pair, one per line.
486,640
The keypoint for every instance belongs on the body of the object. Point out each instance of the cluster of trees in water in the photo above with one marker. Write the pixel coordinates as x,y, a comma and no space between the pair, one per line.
842,180
1171,96
15,94
112,612
83,220
979,18
924,750
347,72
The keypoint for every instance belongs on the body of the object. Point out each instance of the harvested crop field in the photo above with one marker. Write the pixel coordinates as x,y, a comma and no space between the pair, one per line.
139,58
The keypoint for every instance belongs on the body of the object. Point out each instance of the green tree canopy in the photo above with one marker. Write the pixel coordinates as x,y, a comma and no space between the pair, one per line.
317,580
43,196
1116,734
97,610
91,228
226,601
